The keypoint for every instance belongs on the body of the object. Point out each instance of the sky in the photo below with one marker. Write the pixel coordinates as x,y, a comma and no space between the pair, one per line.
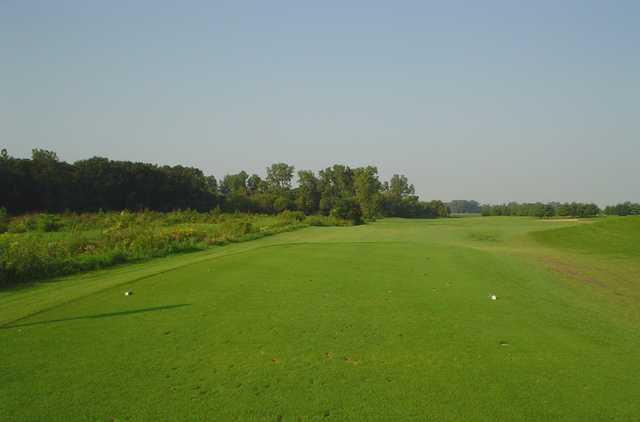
493,101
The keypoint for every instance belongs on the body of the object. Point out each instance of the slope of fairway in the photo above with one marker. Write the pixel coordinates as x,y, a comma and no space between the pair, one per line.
601,259
613,236
388,321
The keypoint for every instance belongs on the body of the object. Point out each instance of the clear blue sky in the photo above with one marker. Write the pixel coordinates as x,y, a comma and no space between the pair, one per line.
486,100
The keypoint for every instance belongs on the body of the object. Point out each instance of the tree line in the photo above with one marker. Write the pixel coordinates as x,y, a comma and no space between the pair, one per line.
45,183
557,209
463,206
625,208
542,210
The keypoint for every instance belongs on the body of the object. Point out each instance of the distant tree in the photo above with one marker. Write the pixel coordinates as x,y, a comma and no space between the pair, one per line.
212,184
255,184
625,208
542,210
437,209
308,193
279,177
282,203
347,209
264,202
367,190
234,183
334,184
461,206
565,210
44,155
398,197
50,177
399,185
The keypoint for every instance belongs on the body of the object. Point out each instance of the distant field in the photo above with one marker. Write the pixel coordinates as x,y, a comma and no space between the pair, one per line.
387,321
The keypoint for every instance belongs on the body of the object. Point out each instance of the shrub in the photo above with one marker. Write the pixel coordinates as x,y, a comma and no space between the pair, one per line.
319,220
48,223
291,217
234,229
347,209
282,203
214,214
22,224
326,221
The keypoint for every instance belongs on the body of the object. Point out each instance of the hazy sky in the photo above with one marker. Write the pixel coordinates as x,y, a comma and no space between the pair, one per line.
486,100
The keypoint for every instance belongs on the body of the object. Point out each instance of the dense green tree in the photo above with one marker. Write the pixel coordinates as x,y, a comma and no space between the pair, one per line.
461,206
263,202
308,192
398,197
255,184
279,177
367,188
212,184
282,202
334,184
234,183
347,209
399,186
437,209
50,177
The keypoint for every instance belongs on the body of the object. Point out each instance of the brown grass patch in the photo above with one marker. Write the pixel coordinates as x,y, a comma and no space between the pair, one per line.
568,270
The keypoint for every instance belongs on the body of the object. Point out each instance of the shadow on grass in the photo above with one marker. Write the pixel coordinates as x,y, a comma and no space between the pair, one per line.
97,316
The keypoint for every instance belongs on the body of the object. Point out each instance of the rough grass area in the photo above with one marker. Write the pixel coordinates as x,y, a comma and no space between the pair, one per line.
49,246
387,321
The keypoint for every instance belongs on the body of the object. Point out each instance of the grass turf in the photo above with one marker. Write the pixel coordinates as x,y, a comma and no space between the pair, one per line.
389,321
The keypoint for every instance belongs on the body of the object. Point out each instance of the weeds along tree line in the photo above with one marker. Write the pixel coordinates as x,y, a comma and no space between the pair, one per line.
38,246
46,184
58,218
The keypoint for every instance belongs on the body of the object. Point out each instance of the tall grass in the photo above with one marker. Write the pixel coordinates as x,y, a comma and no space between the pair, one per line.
42,246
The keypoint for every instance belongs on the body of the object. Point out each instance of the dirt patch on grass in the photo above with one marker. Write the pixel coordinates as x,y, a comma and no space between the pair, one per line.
571,271
566,220
484,236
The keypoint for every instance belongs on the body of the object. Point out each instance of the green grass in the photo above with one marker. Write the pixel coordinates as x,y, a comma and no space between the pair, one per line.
615,236
388,321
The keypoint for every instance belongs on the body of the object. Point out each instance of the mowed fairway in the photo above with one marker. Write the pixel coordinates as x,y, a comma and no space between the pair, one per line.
388,321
